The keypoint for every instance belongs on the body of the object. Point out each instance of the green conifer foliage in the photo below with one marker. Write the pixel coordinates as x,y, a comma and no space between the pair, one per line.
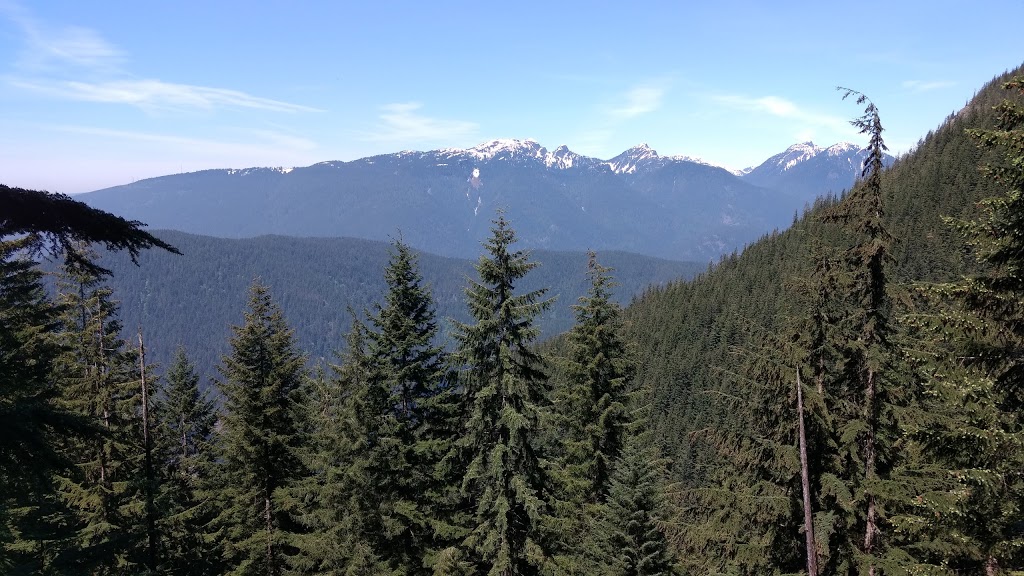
980,379
185,418
589,421
343,509
258,442
408,367
31,423
504,387
592,406
633,542
99,382
864,397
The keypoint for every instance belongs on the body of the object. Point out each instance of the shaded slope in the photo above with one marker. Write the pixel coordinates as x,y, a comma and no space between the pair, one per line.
690,333
193,299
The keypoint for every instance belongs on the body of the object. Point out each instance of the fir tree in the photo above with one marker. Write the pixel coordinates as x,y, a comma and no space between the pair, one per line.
259,442
589,420
99,382
633,542
591,405
185,418
504,387
868,390
408,367
31,422
977,434
345,526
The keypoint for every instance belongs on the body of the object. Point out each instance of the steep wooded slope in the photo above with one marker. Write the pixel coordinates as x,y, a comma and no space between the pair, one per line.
691,334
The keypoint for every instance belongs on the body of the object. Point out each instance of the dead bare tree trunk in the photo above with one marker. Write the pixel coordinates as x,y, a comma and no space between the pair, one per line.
871,531
805,480
147,444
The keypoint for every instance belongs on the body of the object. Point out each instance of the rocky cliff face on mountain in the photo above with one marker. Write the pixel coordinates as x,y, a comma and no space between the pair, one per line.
442,201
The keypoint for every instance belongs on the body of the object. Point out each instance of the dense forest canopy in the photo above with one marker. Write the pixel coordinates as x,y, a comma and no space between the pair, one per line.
844,397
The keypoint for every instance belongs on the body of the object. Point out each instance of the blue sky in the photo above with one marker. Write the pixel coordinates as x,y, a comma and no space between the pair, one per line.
95,94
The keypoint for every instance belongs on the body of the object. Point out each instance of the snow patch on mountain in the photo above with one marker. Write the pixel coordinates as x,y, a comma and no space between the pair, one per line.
796,154
256,170
629,161
842,149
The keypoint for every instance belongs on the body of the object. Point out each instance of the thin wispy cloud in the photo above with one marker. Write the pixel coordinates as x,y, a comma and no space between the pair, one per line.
926,86
639,101
257,142
48,47
783,108
77,63
403,122
156,95
621,108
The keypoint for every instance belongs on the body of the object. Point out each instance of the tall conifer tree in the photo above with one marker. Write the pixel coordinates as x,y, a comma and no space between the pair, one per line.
185,418
504,386
31,422
589,421
408,367
980,437
631,538
259,442
343,516
99,382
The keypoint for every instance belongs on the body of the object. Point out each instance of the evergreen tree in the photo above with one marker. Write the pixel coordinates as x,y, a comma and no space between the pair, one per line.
591,405
409,368
589,421
343,516
185,419
867,392
259,441
504,385
633,542
978,433
99,382
57,224
31,422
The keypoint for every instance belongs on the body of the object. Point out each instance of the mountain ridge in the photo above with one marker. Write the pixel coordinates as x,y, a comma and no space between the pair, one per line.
675,207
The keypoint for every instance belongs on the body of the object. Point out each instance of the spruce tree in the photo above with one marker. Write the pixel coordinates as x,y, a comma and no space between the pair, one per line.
409,368
185,419
31,421
504,386
258,442
633,543
589,420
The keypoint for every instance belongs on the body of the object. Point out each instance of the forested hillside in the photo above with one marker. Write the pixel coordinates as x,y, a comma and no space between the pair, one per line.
720,356
191,300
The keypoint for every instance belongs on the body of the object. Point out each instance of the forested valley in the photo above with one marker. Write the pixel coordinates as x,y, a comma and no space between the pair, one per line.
844,397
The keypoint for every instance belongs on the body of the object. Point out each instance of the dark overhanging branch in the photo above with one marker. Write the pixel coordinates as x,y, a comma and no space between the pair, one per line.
57,224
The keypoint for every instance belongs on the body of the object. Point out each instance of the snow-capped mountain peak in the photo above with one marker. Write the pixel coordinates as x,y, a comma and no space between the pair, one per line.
627,162
796,154
842,148
500,148
562,157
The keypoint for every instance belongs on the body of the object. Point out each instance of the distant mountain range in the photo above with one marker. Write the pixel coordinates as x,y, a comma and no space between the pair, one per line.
442,201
